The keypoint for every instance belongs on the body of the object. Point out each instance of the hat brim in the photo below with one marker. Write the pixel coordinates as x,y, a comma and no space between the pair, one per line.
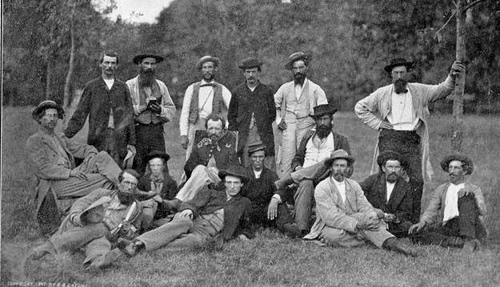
137,59
255,65
210,59
244,178
304,57
38,110
328,112
97,203
392,155
469,166
349,159
164,156
408,66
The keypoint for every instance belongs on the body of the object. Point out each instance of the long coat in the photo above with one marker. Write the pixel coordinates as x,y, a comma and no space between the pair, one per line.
260,190
260,102
169,189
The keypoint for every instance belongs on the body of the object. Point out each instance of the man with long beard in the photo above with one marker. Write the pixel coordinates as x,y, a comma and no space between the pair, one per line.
153,107
399,112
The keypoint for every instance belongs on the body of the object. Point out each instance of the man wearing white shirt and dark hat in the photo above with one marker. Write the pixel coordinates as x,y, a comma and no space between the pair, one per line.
454,216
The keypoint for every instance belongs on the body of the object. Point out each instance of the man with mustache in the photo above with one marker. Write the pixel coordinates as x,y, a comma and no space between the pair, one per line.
106,102
454,216
96,222
345,218
153,107
252,113
399,112
308,165
202,99
53,159
294,102
390,194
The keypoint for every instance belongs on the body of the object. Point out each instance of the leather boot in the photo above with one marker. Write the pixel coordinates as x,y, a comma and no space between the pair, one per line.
397,245
453,241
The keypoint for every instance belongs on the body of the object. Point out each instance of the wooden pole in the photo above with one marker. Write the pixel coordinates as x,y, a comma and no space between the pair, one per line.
458,102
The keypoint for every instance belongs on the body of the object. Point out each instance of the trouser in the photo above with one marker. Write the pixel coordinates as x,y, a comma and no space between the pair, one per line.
254,137
291,137
109,144
341,238
466,226
148,138
200,177
258,215
407,143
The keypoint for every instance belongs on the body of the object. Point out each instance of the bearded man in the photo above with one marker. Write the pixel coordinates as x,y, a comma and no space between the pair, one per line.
153,107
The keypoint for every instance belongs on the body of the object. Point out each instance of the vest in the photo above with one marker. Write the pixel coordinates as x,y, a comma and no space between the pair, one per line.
316,154
218,105
300,107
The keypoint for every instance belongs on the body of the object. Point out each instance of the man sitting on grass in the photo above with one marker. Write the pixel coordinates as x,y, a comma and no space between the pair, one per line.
212,213
453,217
344,217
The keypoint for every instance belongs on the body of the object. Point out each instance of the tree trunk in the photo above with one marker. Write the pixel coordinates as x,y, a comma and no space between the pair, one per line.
68,96
458,105
48,79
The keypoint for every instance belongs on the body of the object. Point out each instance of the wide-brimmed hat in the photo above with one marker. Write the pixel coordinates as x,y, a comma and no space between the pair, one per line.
339,154
138,59
236,171
250,63
384,156
256,147
468,166
296,57
322,110
399,62
47,105
101,201
157,153
205,59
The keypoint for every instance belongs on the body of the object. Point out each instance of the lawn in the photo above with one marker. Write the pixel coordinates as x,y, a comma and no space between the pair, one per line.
270,259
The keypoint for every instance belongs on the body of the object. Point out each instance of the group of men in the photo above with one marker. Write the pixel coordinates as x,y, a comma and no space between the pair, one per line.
234,179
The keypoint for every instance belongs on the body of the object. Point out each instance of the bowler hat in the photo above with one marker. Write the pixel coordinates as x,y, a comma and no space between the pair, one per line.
250,63
157,154
398,62
339,154
384,156
205,59
467,162
236,171
322,110
296,57
36,114
138,59
256,147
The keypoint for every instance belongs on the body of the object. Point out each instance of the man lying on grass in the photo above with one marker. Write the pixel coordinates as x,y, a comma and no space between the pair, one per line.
213,215
453,217
344,217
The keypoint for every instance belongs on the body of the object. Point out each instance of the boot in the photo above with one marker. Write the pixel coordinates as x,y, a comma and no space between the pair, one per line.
453,241
283,182
397,245
105,260
471,245
292,230
42,250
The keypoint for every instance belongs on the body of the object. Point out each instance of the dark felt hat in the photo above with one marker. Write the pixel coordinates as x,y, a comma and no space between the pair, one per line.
250,63
256,147
157,154
138,59
384,156
322,110
296,57
339,154
36,114
399,62
467,162
236,171
205,59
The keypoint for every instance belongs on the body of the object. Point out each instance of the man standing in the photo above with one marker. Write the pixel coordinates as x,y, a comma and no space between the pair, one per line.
152,108
454,216
260,189
390,194
252,113
96,222
308,164
344,216
210,213
202,99
294,102
53,158
106,101
399,112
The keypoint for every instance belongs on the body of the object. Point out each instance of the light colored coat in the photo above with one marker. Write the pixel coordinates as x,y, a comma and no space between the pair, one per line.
331,211
373,109
286,93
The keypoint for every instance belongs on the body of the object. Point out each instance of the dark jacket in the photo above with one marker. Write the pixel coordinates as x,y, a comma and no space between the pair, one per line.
236,210
260,190
169,189
339,141
96,103
400,203
243,103
223,151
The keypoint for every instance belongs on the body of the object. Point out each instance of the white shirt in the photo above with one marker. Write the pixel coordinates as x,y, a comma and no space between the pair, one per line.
257,173
299,89
402,115
340,188
318,149
451,202
109,83
111,120
389,187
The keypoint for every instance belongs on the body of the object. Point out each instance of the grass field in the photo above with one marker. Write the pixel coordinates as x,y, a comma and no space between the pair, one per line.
270,259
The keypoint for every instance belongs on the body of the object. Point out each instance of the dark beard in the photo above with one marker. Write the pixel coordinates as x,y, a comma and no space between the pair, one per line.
146,78
323,131
126,198
391,177
299,78
400,86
